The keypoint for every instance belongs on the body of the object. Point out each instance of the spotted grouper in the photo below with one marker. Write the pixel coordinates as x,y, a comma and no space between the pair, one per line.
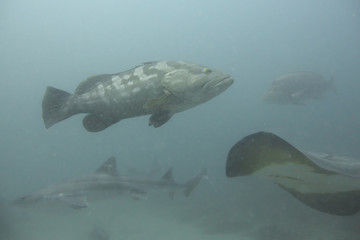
160,88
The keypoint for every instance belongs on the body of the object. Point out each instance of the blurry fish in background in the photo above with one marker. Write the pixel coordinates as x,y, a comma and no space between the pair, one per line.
160,89
98,233
296,87
327,183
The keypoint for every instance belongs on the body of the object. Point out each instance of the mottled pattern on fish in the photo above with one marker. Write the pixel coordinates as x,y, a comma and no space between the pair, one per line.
158,88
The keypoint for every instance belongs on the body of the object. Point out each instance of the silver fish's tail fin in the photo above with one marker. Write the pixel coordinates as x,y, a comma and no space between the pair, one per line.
191,185
55,107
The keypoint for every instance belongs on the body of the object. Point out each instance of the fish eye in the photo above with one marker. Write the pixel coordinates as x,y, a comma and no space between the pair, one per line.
207,70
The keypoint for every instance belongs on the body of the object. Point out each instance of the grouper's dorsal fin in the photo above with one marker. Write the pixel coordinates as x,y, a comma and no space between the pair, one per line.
108,167
91,82
168,177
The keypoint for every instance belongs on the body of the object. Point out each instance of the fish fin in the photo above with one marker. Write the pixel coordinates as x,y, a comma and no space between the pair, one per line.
98,122
159,118
168,177
75,201
55,107
337,203
91,82
156,103
191,185
108,167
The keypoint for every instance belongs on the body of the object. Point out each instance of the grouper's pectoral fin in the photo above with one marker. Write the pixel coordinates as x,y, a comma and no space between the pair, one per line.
159,118
98,122
156,103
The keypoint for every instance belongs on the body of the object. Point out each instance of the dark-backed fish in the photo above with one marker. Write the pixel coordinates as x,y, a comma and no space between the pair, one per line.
160,89
324,182
296,87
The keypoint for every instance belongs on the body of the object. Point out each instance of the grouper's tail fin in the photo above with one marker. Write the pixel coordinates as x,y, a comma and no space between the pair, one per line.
55,107
191,185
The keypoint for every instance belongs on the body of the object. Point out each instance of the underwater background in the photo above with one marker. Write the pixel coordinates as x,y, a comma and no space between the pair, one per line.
61,43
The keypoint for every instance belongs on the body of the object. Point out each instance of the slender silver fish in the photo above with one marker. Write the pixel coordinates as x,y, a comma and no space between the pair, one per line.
104,183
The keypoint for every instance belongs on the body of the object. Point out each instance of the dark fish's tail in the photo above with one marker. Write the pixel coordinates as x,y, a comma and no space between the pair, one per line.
191,185
55,106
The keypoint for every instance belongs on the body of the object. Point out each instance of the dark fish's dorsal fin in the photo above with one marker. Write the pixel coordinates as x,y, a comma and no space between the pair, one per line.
91,82
108,167
168,176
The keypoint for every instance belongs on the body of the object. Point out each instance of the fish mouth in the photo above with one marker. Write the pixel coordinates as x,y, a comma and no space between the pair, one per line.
225,81
216,83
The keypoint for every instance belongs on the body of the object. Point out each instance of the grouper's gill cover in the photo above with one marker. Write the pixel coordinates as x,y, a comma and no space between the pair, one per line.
159,89
327,183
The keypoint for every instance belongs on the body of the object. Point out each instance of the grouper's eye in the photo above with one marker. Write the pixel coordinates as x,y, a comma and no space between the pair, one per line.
207,70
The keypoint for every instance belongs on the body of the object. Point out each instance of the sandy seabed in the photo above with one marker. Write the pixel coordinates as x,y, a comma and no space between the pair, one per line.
204,215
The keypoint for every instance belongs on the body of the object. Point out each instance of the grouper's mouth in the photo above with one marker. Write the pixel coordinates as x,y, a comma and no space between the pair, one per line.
219,83
225,81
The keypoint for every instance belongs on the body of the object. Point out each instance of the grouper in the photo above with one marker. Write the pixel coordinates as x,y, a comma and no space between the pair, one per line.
159,89
297,87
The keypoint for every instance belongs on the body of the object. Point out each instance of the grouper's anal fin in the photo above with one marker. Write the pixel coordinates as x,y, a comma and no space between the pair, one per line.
159,118
98,122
